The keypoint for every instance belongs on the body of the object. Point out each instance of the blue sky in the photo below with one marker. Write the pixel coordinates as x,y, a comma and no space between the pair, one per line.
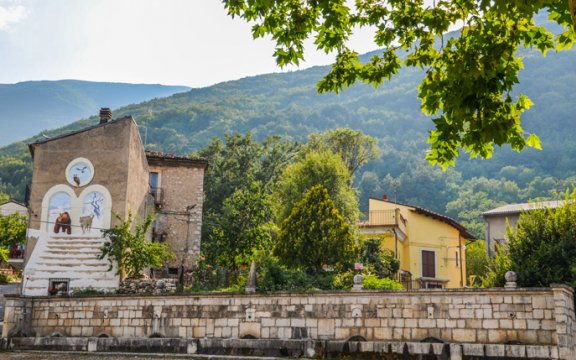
178,42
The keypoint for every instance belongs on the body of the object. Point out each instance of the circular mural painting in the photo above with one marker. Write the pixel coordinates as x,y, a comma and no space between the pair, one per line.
79,172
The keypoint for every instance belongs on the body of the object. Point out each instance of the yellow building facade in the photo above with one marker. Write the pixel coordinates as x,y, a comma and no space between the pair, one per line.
431,247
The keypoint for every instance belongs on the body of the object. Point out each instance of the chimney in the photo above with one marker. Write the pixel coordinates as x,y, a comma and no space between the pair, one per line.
385,197
105,115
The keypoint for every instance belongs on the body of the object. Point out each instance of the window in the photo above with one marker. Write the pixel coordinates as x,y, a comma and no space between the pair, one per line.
153,181
428,263
457,259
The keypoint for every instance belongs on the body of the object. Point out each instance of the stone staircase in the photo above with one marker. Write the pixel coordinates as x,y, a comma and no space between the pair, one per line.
69,257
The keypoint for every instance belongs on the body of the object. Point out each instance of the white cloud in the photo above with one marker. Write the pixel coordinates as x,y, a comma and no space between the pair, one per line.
11,15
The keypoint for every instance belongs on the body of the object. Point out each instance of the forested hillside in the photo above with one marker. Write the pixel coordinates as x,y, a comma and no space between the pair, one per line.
31,106
287,104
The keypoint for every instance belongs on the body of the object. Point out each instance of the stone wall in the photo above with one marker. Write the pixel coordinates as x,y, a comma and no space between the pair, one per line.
541,317
179,216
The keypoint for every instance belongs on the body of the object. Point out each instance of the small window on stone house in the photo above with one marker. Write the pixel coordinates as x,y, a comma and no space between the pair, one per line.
153,181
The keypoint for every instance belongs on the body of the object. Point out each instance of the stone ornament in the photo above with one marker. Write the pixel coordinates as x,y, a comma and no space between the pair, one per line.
511,278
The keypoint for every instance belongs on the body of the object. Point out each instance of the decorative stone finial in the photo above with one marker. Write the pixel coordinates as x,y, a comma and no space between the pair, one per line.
511,278
358,280
251,283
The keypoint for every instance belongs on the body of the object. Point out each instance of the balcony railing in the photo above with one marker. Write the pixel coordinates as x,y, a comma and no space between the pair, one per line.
392,218
158,195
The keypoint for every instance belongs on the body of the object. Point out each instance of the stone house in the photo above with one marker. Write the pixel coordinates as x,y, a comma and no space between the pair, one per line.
431,247
12,206
498,218
86,181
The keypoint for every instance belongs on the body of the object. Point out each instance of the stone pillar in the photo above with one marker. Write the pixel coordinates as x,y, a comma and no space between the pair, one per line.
565,318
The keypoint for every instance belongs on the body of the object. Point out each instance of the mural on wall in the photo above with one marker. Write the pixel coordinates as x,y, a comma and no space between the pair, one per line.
59,209
92,215
79,172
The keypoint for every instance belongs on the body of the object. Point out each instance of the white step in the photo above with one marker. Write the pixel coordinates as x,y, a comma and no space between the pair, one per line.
69,257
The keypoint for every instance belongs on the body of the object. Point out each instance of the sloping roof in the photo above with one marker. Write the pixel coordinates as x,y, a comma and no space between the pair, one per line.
175,159
518,208
12,201
463,232
43,141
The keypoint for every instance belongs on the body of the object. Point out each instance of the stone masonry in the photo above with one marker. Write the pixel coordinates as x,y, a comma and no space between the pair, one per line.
541,319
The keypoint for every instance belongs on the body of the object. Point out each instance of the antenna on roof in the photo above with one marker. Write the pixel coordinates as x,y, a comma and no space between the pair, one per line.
394,185
146,127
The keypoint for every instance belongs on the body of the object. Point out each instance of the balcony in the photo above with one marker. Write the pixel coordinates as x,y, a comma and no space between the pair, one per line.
387,218
158,195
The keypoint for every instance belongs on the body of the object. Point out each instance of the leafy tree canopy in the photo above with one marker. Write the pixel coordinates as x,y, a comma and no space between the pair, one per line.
242,228
355,148
315,234
316,168
543,247
469,78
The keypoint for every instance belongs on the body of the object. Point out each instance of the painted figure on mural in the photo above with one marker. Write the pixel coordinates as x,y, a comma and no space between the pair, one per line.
86,223
63,222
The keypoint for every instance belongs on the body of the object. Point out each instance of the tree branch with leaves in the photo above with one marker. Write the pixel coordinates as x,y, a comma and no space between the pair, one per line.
127,247
469,78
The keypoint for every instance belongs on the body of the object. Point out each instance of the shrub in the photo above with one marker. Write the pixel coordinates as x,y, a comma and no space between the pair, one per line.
373,282
4,279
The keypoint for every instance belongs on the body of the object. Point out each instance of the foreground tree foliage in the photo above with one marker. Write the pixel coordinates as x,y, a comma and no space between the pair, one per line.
128,249
469,78
315,234
543,248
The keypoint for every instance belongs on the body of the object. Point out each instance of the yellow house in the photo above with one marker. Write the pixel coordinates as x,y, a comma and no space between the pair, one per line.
431,247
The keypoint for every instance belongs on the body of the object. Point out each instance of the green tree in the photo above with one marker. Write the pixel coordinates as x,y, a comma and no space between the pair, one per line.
241,175
315,235
469,78
127,248
243,227
497,268
543,247
316,168
12,231
477,262
376,258
355,148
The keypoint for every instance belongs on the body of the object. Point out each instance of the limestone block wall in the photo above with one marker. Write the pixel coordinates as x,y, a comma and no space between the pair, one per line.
543,316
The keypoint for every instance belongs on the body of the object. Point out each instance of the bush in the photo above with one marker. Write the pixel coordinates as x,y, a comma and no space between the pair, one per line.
4,279
343,280
274,277
373,282
88,291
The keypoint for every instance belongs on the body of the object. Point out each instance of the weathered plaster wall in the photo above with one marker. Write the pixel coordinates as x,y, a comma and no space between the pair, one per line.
537,317
496,229
106,146
137,176
182,188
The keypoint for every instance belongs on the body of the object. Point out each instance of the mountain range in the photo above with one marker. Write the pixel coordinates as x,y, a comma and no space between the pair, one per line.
288,104
29,107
